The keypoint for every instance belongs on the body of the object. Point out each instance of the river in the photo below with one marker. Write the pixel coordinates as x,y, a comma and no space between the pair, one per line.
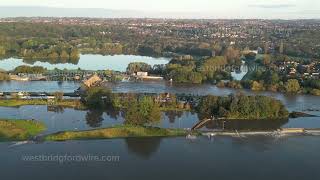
261,158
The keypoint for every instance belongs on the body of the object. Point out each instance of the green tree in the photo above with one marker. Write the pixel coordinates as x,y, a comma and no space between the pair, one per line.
64,55
2,51
292,86
256,86
58,96
4,77
74,55
138,67
266,59
53,56
97,97
142,112
233,55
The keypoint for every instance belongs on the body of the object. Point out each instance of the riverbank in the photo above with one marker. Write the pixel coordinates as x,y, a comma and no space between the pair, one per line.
116,132
19,130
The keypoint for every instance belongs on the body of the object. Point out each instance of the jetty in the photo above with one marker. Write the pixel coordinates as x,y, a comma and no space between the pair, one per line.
200,124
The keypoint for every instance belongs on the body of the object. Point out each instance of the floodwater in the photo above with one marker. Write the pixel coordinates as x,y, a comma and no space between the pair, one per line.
256,157
222,158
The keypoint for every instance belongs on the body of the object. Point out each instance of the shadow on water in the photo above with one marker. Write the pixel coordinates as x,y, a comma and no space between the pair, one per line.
94,117
143,147
56,109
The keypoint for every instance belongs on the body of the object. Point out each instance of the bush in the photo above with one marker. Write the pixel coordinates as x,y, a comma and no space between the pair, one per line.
29,70
292,86
58,96
256,86
97,97
315,92
4,77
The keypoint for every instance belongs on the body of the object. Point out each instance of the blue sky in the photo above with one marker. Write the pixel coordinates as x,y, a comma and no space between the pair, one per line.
285,9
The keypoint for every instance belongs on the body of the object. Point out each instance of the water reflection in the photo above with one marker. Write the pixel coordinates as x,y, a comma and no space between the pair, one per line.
56,109
173,115
58,118
143,147
226,158
94,118
51,61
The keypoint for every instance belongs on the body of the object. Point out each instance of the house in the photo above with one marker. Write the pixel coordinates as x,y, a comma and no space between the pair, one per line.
292,71
163,98
92,81
142,74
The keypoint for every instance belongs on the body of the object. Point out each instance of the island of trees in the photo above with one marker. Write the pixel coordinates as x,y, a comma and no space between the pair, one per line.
142,109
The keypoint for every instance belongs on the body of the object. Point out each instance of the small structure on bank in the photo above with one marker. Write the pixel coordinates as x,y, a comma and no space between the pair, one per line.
92,81
146,76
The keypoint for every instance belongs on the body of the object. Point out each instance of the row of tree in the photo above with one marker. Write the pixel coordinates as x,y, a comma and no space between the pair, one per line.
241,107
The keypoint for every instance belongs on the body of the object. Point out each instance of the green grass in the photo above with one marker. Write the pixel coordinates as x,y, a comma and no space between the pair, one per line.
23,102
19,130
116,132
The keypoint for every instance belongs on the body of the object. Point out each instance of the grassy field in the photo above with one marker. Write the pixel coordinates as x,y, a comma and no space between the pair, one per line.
19,130
23,102
116,132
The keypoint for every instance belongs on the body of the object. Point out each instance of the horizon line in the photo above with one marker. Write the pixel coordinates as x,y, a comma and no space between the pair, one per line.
175,14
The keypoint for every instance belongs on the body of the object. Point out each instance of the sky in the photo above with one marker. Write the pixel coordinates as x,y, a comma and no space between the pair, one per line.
267,9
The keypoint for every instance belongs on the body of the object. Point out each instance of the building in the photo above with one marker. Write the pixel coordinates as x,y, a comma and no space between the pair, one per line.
142,74
92,81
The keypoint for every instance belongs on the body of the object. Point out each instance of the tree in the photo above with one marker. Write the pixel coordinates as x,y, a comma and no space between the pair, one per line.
64,55
53,56
281,48
266,59
132,115
97,97
58,96
2,51
292,86
241,107
142,112
266,48
256,86
315,92
29,70
74,55
138,67
232,55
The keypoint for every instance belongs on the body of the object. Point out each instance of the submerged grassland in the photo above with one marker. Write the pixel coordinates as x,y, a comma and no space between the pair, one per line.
24,102
19,130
